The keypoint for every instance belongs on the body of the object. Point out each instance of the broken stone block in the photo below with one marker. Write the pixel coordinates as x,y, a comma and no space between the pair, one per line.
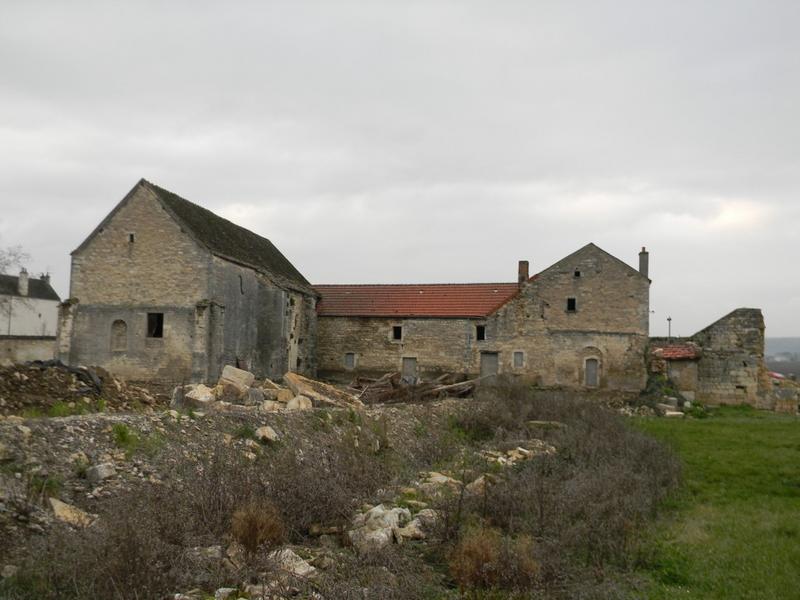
266,434
238,378
98,473
192,396
319,392
268,384
673,414
284,395
299,403
70,514
271,406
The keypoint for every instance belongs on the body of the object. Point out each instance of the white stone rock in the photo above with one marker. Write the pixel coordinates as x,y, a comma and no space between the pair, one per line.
224,593
267,434
673,414
288,561
70,514
238,378
299,403
271,406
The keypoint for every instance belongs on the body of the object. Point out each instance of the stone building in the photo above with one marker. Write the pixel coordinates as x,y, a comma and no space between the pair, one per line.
28,318
165,289
583,322
721,364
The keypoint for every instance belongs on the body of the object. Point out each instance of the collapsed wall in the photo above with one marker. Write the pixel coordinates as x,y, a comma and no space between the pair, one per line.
721,364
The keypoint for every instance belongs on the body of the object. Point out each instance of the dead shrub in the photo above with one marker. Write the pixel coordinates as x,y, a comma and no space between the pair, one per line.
485,559
257,525
474,560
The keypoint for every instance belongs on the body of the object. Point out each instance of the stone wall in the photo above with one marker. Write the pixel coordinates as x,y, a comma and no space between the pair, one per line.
116,280
267,329
609,324
732,369
20,349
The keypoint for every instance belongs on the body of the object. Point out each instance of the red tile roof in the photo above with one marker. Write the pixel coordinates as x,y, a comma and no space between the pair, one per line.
409,300
677,352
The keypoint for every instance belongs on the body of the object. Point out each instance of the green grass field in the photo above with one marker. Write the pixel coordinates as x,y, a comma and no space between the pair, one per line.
734,529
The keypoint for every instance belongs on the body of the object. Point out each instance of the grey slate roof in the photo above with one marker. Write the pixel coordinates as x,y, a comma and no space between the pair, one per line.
37,288
229,240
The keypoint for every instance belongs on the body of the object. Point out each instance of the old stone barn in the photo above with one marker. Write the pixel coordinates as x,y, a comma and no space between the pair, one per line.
582,322
165,289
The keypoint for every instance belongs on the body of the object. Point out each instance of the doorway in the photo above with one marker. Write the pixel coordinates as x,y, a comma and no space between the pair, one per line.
490,363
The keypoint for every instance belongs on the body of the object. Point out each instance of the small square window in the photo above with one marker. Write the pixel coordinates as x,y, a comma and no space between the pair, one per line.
572,304
519,359
480,332
577,273
397,332
350,361
155,325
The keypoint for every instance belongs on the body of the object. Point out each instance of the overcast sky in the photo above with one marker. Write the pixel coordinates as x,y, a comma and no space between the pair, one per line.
424,141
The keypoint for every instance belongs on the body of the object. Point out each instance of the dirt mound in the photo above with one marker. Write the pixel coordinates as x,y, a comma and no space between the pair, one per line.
51,388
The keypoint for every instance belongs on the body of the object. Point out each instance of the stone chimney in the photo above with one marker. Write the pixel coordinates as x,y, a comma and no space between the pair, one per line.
644,262
22,283
45,277
522,272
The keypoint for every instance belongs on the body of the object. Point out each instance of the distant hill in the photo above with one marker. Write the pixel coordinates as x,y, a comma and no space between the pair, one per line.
776,345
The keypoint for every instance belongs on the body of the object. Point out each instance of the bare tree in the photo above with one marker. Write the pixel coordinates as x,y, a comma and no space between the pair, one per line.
12,257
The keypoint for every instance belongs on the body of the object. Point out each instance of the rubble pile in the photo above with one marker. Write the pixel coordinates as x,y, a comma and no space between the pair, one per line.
50,387
238,389
392,388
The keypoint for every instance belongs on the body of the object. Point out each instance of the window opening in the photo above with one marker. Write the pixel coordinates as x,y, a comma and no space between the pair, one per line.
397,332
131,238
577,273
518,359
572,304
350,360
155,325
480,332
119,335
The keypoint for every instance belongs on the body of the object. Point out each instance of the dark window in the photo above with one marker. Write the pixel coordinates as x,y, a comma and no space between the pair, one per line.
397,332
155,325
350,360
577,273
480,332
131,238
572,304
518,360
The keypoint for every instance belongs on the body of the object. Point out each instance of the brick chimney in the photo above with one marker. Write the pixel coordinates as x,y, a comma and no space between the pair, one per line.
522,272
644,262
22,283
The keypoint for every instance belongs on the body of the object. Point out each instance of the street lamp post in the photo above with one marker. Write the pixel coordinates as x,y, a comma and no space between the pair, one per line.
669,328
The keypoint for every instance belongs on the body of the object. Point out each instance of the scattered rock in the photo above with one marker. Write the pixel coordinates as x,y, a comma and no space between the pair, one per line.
70,514
435,482
319,392
673,414
238,379
299,403
271,406
225,593
374,529
98,473
267,434
289,562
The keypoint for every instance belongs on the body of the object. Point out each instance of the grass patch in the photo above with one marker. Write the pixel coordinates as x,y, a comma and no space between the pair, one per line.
734,529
